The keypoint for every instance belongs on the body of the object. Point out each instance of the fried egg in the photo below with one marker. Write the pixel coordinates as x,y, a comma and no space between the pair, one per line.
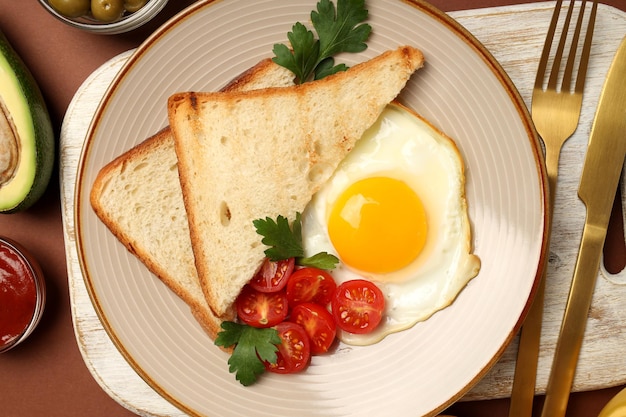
394,212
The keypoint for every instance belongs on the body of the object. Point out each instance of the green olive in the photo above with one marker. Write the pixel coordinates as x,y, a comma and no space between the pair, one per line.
132,6
70,8
107,10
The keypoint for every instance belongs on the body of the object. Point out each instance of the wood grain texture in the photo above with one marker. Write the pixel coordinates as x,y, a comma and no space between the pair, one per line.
514,35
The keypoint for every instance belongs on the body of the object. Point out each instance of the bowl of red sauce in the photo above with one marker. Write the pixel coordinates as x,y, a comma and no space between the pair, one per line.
22,294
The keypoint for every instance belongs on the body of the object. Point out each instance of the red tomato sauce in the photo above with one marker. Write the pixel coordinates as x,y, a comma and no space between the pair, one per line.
18,294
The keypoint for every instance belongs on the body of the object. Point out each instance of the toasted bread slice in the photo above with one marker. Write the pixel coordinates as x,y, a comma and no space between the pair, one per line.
264,153
149,217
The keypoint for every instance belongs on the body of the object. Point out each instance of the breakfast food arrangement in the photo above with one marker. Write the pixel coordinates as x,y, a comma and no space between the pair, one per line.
293,208
359,231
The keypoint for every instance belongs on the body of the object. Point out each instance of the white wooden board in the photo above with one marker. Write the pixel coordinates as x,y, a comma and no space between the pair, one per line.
515,36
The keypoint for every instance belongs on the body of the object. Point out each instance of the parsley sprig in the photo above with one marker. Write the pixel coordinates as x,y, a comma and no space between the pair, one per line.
339,30
286,242
252,347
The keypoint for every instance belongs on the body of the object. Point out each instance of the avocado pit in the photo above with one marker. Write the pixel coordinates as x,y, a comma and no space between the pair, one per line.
9,146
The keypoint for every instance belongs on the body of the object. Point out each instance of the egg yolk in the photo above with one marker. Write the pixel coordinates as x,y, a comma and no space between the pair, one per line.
378,225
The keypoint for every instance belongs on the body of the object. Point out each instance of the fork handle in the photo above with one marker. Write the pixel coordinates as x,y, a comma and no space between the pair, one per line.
524,381
523,390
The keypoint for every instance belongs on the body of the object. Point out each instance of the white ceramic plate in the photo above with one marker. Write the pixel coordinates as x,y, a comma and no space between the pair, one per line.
462,90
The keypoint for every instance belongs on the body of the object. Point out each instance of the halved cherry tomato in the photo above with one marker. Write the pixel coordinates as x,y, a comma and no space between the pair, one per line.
358,306
318,324
259,309
273,276
294,351
310,285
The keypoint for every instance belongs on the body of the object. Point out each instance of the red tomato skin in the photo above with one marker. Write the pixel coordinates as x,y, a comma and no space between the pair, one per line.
259,309
273,276
358,306
294,352
310,285
318,323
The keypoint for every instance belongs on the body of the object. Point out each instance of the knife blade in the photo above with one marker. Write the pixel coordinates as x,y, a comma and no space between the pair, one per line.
597,189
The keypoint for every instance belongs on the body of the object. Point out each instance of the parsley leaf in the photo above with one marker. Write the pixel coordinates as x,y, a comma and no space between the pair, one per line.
302,60
252,347
286,242
327,67
339,30
322,260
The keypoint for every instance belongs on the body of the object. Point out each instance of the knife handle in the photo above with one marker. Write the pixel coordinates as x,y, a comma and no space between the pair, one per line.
574,321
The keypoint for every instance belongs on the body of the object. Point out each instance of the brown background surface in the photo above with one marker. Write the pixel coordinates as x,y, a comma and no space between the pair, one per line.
46,376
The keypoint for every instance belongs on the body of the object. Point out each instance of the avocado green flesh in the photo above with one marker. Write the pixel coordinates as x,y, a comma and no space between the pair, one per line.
26,135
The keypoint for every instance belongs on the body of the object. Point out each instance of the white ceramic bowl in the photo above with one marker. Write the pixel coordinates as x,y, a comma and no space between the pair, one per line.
127,23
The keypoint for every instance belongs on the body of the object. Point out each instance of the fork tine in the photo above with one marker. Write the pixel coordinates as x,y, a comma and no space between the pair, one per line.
556,65
545,54
584,60
569,68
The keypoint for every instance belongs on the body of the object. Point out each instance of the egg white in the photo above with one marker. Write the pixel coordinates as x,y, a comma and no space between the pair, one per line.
404,146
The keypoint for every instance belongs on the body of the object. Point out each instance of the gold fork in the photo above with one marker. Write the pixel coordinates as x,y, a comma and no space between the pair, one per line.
555,112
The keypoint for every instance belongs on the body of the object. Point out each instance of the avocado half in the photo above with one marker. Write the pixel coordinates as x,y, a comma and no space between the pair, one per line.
27,144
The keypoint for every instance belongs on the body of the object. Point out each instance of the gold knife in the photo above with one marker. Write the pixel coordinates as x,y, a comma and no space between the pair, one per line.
598,185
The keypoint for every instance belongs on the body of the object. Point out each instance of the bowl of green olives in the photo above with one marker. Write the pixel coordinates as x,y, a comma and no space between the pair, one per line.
104,16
